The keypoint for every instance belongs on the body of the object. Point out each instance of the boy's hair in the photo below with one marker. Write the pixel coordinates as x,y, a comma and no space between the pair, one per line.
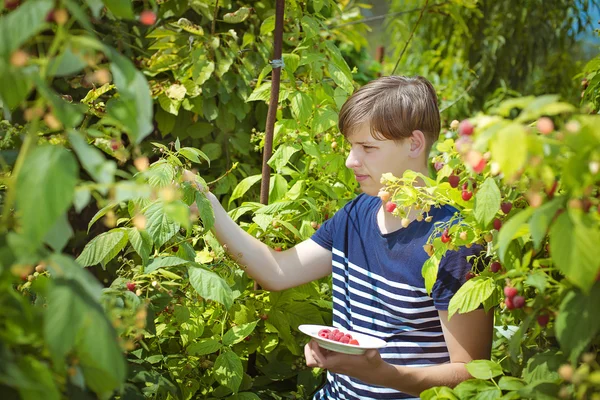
395,106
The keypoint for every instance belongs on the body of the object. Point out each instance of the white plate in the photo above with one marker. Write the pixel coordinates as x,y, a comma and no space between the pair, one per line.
366,342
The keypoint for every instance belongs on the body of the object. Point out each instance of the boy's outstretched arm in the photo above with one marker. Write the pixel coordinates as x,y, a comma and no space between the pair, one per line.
273,270
468,337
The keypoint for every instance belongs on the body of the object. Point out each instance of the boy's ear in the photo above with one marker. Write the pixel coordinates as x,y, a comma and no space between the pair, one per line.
417,143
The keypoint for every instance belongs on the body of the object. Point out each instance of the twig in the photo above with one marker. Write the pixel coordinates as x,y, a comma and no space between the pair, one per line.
410,37
383,16
471,85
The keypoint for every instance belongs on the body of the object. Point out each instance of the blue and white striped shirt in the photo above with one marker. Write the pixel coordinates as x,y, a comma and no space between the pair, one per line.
378,289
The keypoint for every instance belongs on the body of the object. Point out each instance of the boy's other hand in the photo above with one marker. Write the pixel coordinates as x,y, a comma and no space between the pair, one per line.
367,367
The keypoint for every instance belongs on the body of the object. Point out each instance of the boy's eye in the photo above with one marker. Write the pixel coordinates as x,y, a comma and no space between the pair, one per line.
368,147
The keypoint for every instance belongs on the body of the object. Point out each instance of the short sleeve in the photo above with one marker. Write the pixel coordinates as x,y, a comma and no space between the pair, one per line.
452,274
324,235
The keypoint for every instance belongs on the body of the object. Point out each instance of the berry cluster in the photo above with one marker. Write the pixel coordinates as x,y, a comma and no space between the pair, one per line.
337,336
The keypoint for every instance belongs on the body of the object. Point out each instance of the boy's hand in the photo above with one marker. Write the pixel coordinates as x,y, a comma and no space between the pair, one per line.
367,367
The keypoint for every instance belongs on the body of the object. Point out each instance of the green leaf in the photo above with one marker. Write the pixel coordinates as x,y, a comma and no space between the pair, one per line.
95,6
207,214
14,85
160,174
324,119
540,220
141,243
40,385
268,25
537,279
470,295
65,64
431,267
45,190
103,248
340,78
99,214
65,315
277,188
484,369
509,149
134,93
228,370
543,367
515,227
577,322
203,347
238,333
21,24
210,286
572,238
189,27
193,154
510,383
238,16
487,202
243,187
99,168
291,63
120,8
282,156
438,393
70,115
477,390
58,236
161,262
303,313
159,225
301,105
310,27
262,93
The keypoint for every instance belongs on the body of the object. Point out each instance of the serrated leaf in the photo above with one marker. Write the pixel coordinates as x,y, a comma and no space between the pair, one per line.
577,322
141,243
540,220
92,159
515,227
301,105
159,225
45,189
103,248
203,347
207,214
470,295
228,370
120,8
487,202
210,285
193,154
19,25
282,156
509,149
243,187
99,214
160,174
238,16
484,369
238,333
341,79
161,262
572,237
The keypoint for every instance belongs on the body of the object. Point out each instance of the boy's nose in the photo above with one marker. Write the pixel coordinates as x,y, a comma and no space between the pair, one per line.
352,161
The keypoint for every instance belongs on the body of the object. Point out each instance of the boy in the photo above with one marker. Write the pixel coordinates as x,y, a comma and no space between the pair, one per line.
391,124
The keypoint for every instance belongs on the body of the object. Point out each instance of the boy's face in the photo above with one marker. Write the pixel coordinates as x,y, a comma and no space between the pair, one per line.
369,158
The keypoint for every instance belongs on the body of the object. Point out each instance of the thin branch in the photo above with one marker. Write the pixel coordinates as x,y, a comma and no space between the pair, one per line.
383,16
471,85
410,37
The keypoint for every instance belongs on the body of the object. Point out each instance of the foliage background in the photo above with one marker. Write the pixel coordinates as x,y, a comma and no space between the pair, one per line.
102,116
